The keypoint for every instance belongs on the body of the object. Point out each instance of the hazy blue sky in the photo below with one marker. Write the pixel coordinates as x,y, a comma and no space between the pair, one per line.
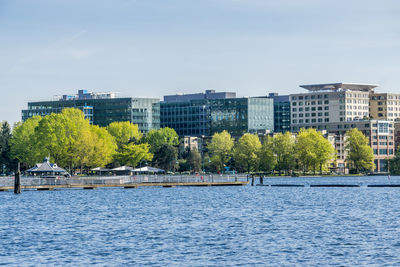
157,47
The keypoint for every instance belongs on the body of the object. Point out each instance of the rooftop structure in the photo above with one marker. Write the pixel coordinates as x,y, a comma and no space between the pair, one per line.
84,94
340,87
209,94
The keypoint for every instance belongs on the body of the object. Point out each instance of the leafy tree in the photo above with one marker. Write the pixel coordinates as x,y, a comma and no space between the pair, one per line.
76,127
360,154
160,137
52,139
5,150
266,156
95,147
132,154
313,150
67,137
194,160
221,148
183,165
23,144
59,136
283,148
165,157
247,151
124,132
394,164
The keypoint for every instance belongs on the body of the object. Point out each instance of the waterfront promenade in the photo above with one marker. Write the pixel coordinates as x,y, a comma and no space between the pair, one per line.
93,182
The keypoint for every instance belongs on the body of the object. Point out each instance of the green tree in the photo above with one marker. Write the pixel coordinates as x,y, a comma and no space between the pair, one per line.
360,154
52,139
194,160
283,148
67,137
394,164
76,128
131,154
266,156
160,137
95,148
124,132
246,153
165,157
313,150
23,143
183,165
6,161
59,136
221,148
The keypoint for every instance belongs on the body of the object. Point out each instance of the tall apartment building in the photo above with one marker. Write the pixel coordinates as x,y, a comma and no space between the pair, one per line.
325,103
208,115
102,109
384,106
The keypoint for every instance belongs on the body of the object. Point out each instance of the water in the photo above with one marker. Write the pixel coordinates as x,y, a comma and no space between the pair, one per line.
207,226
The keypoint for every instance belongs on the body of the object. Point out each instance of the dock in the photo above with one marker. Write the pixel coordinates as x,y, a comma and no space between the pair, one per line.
126,182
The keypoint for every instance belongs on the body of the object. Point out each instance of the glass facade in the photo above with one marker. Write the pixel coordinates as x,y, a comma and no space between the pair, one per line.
187,118
142,111
209,116
282,116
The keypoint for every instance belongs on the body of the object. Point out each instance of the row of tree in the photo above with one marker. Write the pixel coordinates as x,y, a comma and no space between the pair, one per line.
308,151
71,141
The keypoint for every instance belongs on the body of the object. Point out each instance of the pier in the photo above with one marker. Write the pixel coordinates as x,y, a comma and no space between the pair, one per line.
127,182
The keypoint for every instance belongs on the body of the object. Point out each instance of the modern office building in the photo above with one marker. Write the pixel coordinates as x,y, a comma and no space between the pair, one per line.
102,109
281,112
191,118
209,94
206,116
384,106
326,103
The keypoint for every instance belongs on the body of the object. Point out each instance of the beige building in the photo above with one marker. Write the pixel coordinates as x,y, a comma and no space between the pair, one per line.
381,135
338,107
384,106
326,103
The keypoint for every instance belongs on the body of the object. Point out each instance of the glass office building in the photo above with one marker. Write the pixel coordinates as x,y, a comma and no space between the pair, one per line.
103,109
204,117
281,112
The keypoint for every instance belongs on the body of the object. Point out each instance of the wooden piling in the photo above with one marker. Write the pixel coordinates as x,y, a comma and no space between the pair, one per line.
17,181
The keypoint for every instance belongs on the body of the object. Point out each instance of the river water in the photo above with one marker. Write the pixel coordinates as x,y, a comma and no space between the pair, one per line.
205,226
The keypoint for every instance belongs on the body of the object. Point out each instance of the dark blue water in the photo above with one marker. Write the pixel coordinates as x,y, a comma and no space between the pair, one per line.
208,226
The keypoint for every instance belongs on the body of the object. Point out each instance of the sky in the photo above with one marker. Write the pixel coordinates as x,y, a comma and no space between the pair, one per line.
151,48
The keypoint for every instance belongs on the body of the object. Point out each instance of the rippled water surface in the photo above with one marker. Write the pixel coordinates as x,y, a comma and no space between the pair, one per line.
206,226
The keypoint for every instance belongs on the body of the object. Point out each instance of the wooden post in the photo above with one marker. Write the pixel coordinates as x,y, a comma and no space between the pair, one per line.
252,180
17,181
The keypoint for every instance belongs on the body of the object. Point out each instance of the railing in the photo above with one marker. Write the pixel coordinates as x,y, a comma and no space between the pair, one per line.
123,180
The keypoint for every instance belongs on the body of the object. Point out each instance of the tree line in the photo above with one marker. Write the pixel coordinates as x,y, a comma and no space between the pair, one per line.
76,145
308,151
